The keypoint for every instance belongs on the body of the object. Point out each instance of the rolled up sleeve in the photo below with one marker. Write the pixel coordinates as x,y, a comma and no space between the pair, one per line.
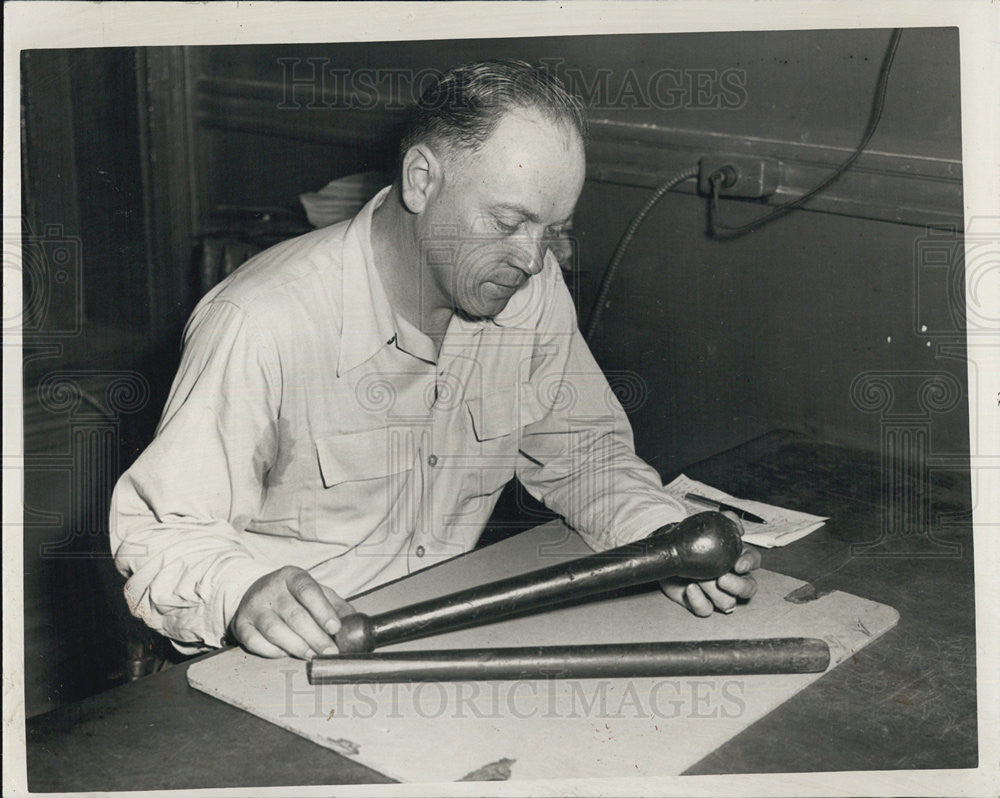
179,513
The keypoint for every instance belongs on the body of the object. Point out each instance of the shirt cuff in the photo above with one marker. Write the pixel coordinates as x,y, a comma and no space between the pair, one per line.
233,579
651,519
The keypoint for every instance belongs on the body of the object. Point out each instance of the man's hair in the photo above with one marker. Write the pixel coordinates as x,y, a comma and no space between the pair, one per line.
465,104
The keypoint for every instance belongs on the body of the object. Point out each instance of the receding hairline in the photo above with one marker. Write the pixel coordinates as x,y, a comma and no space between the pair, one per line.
458,152
461,109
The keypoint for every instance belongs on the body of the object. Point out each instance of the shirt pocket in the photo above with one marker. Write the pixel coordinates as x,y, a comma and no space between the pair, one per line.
503,412
497,419
366,479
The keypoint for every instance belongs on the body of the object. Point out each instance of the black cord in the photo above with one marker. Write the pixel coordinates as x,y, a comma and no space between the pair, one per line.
609,273
719,230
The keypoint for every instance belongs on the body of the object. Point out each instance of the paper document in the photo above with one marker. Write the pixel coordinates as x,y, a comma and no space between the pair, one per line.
782,527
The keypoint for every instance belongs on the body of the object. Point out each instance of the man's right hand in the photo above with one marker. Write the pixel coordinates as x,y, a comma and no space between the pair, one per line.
287,612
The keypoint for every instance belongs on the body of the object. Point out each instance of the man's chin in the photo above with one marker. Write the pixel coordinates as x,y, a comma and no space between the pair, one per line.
484,307
467,315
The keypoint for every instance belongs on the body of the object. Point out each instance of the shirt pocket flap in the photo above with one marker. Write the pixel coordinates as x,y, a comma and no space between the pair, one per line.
504,411
359,455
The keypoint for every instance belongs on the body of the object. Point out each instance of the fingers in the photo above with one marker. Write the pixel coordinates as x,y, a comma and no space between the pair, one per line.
697,601
271,635
342,606
673,590
308,614
721,599
724,593
703,598
308,593
278,632
740,587
254,642
735,584
749,560
687,594
287,612
298,620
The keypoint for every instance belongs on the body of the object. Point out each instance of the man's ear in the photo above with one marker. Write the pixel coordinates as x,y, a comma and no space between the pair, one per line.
421,177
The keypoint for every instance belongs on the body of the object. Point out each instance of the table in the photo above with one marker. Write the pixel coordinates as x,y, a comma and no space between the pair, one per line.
909,701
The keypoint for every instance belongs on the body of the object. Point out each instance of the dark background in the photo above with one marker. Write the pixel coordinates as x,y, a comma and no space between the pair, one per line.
133,158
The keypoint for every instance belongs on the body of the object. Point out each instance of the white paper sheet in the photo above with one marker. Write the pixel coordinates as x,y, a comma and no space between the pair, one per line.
783,525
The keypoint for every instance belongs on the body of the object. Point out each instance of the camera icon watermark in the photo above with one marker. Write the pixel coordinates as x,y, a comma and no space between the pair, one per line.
49,268
954,273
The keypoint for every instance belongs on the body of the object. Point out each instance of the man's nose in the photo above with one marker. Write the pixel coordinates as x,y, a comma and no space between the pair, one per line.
533,254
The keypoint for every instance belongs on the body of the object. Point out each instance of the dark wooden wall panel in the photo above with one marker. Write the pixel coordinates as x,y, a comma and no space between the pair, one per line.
807,86
104,99
87,288
50,195
656,103
255,169
764,332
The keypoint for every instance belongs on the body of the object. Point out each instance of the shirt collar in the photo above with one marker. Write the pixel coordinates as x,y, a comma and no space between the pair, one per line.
413,341
368,320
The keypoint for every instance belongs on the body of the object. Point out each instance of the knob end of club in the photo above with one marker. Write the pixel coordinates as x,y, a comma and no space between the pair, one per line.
356,635
707,545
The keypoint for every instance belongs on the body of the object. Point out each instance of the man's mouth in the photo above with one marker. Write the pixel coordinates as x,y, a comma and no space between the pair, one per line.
500,288
497,291
512,280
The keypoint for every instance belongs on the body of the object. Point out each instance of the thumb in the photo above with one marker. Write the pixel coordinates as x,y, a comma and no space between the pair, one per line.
341,605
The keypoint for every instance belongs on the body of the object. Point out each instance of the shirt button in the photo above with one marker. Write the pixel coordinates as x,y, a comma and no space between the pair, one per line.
432,460
421,551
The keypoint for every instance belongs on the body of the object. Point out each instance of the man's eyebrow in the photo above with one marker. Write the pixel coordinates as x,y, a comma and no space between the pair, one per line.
525,213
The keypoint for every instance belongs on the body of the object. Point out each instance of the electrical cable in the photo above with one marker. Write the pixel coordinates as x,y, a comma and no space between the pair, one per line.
719,230
609,273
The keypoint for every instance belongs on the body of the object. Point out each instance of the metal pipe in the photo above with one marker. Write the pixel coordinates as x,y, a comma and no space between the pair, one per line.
706,658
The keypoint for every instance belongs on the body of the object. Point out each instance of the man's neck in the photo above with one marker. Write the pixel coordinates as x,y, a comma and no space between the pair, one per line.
397,260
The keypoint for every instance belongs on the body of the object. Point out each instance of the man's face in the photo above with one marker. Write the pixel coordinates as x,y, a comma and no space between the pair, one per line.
484,231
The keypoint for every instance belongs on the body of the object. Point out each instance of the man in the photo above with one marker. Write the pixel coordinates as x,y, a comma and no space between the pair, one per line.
351,403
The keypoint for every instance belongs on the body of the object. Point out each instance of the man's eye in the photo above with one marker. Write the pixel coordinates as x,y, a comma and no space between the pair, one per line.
503,227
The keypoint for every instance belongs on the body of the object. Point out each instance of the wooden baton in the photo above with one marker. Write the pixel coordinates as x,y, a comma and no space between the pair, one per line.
706,658
702,546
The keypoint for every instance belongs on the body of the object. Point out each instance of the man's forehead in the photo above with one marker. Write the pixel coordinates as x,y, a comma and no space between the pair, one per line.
546,195
524,127
527,152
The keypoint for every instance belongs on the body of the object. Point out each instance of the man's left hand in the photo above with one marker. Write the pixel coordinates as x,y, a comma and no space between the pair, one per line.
703,598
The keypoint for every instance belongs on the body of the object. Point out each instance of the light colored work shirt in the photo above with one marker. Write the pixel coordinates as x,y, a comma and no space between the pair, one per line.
310,425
